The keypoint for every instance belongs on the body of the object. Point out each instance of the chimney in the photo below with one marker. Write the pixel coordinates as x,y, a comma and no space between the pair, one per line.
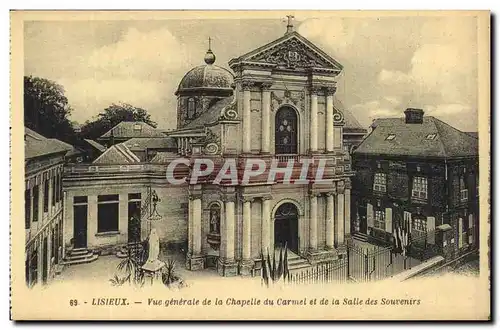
414,116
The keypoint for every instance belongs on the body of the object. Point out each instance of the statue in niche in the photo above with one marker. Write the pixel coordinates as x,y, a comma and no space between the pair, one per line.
215,219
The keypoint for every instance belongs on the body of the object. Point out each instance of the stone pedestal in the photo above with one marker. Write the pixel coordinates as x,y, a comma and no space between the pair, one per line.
227,268
246,267
342,249
195,262
152,269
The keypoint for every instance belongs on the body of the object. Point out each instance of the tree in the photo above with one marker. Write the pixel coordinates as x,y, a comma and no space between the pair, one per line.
113,115
46,109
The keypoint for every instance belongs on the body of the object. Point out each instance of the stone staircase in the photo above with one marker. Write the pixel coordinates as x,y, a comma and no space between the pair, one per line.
360,236
296,263
79,256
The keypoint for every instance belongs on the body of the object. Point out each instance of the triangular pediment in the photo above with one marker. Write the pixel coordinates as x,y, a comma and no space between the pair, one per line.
291,51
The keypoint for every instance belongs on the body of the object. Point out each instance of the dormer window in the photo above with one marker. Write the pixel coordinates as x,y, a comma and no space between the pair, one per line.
137,127
390,137
431,136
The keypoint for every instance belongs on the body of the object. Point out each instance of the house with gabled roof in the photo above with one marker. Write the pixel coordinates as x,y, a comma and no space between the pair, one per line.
421,170
127,130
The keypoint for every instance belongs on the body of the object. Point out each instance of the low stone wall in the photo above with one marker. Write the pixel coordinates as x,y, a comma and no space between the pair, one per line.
419,269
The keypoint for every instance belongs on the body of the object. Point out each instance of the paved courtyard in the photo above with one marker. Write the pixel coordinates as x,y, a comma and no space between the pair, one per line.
104,268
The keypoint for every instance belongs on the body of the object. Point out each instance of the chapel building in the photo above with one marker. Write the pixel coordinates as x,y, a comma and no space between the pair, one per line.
276,103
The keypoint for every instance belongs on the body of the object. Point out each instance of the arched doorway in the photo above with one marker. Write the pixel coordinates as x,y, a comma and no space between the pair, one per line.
286,227
286,131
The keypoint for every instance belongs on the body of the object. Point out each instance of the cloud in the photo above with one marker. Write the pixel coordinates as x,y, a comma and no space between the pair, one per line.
371,110
90,97
333,33
461,116
141,54
394,77
141,68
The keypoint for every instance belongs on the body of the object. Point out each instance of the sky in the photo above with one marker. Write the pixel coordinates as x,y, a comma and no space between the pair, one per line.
390,62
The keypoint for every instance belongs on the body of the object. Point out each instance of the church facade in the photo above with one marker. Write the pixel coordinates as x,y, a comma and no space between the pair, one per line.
278,105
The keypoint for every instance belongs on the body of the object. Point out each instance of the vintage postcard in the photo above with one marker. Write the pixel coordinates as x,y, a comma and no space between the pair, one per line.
250,165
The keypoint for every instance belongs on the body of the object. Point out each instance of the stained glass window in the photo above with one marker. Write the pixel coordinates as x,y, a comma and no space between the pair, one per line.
286,131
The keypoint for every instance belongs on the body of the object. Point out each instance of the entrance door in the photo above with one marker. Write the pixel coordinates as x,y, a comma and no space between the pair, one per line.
286,227
45,261
80,226
134,221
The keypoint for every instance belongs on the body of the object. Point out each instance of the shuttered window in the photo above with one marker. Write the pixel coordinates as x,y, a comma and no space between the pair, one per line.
388,220
27,208
431,232
369,215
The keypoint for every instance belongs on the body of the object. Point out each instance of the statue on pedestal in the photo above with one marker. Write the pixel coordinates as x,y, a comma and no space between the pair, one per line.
153,265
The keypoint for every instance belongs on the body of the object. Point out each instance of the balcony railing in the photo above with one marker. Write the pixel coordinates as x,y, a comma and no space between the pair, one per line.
286,158
87,168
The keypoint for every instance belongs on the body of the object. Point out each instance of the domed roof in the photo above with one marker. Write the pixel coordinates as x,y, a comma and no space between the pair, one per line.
207,76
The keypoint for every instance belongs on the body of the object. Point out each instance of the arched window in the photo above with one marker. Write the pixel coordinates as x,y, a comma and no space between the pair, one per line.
215,219
191,108
286,131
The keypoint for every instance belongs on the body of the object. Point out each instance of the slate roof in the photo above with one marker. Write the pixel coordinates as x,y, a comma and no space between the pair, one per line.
96,145
211,115
36,145
164,157
412,139
117,154
351,123
126,130
139,144
474,134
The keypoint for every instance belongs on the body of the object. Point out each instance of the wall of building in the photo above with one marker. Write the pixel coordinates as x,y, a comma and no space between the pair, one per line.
172,208
48,225
443,204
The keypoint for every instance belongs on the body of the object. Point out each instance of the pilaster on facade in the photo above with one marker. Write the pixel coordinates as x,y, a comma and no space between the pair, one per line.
330,220
266,223
227,263
329,129
265,120
340,223
246,263
313,120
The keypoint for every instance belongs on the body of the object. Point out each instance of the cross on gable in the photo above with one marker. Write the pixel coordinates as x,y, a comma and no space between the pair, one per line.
289,27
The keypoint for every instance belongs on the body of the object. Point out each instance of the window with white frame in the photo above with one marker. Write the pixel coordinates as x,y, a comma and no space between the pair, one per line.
379,221
419,189
380,182
419,224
